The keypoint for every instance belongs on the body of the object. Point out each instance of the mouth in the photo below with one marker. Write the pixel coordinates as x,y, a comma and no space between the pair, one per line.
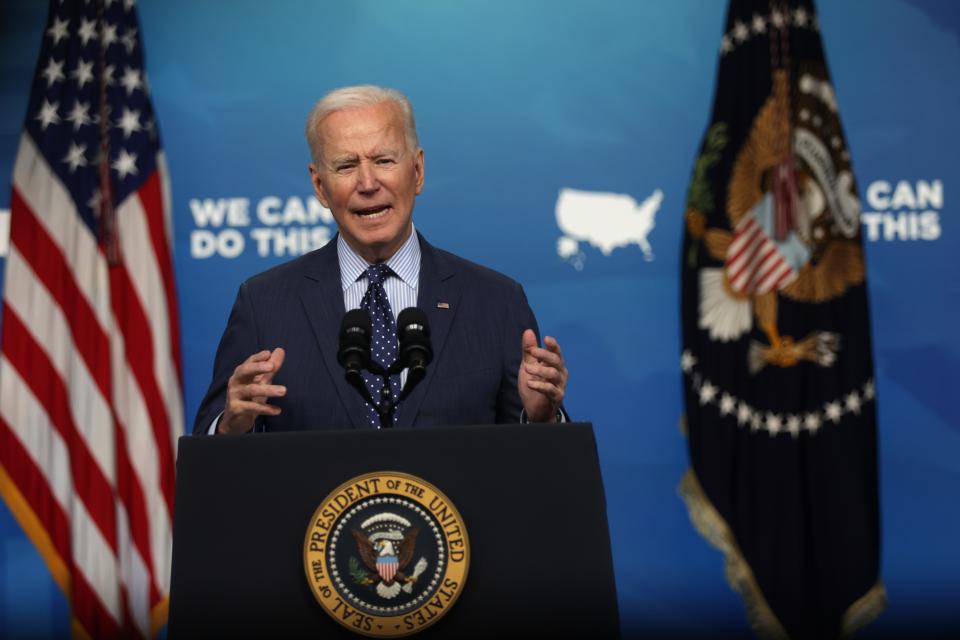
374,212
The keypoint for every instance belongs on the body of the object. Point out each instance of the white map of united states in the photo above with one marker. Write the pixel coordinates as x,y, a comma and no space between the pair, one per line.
606,221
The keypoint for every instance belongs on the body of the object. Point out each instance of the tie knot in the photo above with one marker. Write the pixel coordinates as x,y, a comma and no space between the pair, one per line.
377,273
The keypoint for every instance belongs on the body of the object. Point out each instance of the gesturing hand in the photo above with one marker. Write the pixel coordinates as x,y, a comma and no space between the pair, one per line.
542,379
248,390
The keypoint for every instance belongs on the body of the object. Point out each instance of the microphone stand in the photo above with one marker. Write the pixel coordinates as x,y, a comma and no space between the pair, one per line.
354,356
387,407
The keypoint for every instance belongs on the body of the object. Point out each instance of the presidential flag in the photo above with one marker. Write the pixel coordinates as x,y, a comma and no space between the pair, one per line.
776,360
90,375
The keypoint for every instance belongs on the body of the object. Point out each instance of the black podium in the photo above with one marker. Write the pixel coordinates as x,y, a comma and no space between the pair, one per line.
531,497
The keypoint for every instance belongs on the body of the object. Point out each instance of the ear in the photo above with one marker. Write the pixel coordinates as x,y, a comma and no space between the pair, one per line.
317,181
418,168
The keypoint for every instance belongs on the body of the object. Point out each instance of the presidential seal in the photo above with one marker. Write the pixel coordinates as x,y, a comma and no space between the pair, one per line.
386,554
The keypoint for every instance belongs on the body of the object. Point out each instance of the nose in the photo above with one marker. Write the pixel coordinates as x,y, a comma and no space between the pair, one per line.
366,178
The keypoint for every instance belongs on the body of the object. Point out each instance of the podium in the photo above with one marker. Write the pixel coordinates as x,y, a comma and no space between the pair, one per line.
530,497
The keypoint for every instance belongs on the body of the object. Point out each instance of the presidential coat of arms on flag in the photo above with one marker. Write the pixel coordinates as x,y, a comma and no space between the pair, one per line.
776,360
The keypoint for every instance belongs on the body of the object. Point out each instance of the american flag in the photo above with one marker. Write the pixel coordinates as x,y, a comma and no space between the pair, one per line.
90,374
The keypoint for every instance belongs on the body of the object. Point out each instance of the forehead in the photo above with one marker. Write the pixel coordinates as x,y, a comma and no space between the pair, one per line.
361,130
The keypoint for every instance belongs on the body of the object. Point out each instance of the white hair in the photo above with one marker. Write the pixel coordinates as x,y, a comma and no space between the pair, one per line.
364,95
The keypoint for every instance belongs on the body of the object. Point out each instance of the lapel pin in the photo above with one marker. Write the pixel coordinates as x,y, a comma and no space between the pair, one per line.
443,305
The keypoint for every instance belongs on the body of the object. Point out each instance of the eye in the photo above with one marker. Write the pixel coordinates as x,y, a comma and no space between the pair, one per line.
344,167
386,161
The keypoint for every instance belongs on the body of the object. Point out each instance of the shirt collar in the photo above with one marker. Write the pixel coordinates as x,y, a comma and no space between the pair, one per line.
405,263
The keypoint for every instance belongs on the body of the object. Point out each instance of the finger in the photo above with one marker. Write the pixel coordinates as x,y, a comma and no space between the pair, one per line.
249,369
546,357
551,344
550,390
276,359
255,390
253,408
543,372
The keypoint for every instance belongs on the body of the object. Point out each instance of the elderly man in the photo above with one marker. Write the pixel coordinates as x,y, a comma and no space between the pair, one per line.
276,367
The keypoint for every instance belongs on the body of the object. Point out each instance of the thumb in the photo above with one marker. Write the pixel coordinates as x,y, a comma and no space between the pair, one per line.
528,342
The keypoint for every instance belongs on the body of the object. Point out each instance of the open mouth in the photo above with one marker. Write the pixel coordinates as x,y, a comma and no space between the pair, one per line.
373,212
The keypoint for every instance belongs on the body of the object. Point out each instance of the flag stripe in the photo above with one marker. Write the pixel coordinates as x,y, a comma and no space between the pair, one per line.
744,236
131,409
43,462
754,263
146,275
138,591
53,208
766,260
138,346
154,199
43,383
47,326
748,257
43,320
135,523
19,462
91,343
37,248
97,620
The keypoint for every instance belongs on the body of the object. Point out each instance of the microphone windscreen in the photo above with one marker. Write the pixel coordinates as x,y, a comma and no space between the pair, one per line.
412,318
413,333
354,347
355,319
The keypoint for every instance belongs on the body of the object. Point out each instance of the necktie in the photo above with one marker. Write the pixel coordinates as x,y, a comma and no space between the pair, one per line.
383,346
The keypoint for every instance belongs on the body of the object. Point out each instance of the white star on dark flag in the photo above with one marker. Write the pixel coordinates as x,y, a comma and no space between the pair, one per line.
75,156
131,80
48,114
79,115
87,30
129,122
83,73
53,72
125,164
58,31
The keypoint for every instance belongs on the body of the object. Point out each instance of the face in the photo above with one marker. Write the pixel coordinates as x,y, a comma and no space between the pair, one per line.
368,178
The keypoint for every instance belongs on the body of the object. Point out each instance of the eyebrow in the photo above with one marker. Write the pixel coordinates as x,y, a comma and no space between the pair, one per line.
380,153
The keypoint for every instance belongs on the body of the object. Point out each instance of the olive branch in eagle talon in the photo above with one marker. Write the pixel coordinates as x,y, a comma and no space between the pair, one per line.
369,551
699,195
360,576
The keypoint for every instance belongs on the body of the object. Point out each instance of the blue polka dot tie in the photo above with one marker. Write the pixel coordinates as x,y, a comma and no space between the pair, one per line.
383,345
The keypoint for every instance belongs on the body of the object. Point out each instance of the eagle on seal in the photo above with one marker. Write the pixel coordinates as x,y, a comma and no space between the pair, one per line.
388,557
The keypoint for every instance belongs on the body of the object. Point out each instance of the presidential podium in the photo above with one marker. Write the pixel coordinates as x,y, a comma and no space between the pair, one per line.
530,498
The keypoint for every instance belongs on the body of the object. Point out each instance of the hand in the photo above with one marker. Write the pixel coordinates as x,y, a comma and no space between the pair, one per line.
542,379
248,390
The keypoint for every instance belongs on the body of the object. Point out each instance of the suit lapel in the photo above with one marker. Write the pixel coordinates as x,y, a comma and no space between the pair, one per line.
322,299
438,297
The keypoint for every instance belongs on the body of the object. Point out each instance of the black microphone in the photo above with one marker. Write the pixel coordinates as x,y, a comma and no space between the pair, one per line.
416,352
354,352
413,334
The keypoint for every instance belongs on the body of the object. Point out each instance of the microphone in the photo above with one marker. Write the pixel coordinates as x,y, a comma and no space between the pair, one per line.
354,351
413,334
416,352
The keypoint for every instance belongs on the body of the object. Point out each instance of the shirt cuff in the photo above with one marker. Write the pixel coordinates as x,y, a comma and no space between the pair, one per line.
561,416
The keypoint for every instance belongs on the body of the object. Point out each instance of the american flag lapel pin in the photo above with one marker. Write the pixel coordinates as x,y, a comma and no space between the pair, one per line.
443,305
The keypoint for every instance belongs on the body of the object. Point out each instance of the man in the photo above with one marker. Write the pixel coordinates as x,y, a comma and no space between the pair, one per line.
276,367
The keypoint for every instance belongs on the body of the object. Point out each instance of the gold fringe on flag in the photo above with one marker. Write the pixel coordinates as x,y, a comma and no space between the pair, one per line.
711,525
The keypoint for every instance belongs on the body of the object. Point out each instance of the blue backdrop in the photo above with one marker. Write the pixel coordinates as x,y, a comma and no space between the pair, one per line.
516,101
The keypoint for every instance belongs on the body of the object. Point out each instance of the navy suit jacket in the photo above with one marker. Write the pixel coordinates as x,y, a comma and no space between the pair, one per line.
298,305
